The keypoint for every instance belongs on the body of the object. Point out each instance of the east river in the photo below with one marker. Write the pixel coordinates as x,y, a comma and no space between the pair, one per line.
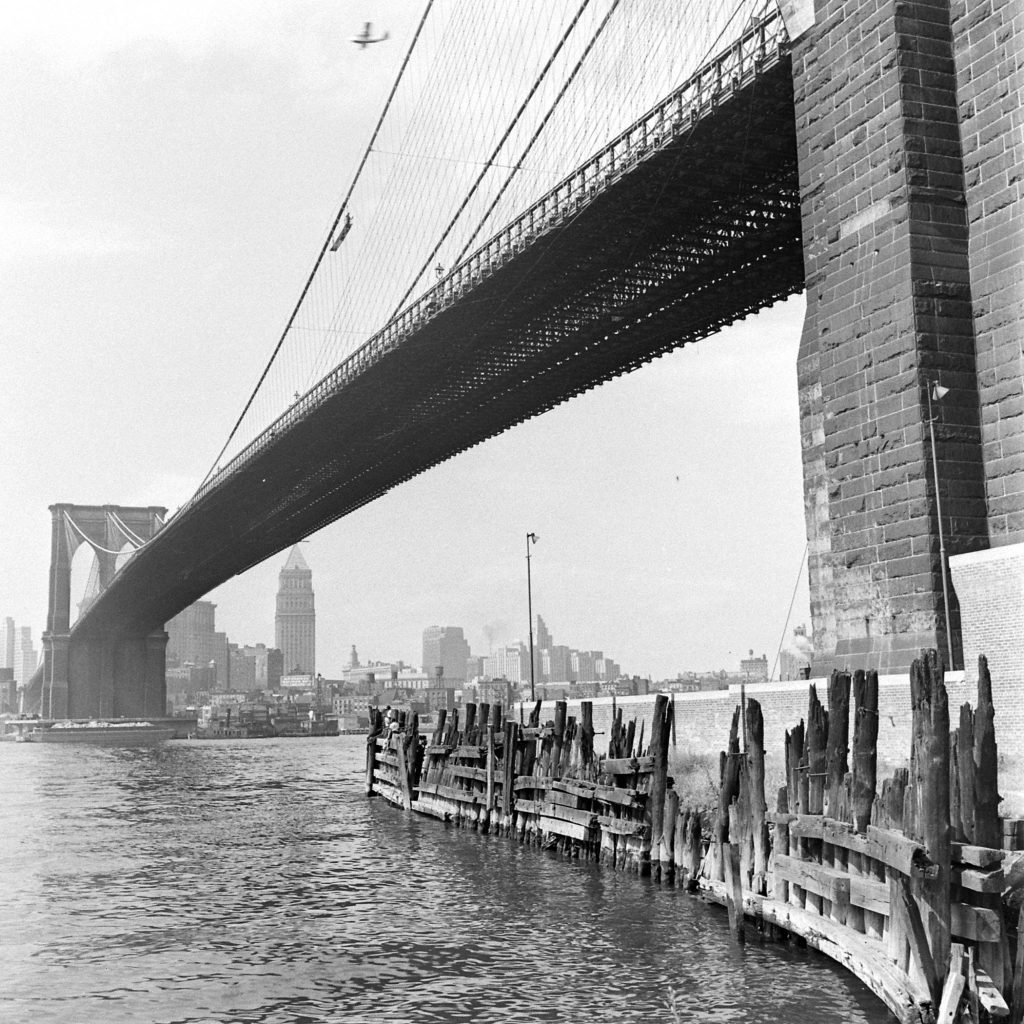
254,881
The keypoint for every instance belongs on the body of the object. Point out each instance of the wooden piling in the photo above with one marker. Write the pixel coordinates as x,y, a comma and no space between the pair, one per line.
757,804
931,788
987,828
865,746
837,742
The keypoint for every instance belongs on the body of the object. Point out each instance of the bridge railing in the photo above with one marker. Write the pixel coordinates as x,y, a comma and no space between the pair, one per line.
758,47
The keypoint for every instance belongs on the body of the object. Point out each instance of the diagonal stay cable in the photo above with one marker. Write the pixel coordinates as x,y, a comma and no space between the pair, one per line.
494,155
326,245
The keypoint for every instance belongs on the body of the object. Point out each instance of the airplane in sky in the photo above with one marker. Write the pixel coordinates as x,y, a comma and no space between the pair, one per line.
366,37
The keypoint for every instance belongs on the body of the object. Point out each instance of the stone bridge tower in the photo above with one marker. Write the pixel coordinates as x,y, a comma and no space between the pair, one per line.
99,676
910,135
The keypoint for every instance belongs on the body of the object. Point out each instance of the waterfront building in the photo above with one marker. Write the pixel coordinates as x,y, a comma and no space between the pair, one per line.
445,647
295,619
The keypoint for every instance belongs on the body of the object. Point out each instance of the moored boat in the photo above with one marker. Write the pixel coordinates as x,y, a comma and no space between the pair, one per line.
109,733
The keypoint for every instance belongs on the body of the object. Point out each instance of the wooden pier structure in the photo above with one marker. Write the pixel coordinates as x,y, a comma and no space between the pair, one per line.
903,881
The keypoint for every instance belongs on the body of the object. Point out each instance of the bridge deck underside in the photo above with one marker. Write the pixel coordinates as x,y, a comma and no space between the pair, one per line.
701,233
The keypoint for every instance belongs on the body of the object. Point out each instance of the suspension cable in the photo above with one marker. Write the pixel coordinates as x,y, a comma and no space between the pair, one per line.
494,155
536,135
326,245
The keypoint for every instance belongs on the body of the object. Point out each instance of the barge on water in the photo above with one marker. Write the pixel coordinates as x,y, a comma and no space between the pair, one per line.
110,732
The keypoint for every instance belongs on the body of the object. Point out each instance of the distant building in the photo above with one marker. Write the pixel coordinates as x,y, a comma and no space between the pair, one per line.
7,643
295,621
445,647
796,657
495,691
511,662
192,638
754,670
26,657
542,636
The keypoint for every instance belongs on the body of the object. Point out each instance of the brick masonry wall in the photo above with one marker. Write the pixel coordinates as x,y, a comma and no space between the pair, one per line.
991,589
989,52
888,310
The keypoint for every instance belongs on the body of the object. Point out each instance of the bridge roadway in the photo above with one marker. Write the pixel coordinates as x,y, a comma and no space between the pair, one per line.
688,221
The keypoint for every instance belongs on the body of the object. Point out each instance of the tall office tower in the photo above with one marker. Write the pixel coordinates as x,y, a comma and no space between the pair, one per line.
445,646
26,658
543,637
7,643
295,621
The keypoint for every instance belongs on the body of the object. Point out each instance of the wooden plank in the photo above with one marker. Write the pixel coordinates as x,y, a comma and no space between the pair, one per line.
620,826
869,894
627,765
618,796
386,757
780,817
975,923
403,777
1018,972
951,993
896,850
585,818
466,771
917,935
816,878
577,787
977,856
980,881
555,796
529,806
989,997
437,748
532,782
564,828
469,751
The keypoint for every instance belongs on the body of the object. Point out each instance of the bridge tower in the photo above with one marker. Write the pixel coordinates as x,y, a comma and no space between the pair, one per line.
910,138
99,675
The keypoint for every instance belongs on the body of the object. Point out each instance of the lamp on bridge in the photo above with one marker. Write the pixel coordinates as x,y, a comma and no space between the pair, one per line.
531,538
936,392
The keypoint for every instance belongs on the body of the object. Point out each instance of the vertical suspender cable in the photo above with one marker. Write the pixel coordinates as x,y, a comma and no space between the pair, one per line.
494,156
326,245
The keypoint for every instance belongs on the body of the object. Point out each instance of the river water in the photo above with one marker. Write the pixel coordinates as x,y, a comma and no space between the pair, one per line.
253,881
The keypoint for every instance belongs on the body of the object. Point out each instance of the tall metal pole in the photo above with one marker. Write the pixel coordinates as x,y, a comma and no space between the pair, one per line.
942,540
530,537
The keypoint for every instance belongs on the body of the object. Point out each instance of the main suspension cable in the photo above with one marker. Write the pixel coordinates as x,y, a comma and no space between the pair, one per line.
325,246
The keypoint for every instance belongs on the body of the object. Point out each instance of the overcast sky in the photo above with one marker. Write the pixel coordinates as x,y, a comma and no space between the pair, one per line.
166,175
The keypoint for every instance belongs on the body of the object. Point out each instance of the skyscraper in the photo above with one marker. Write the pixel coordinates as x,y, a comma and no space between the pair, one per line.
445,646
295,621
7,643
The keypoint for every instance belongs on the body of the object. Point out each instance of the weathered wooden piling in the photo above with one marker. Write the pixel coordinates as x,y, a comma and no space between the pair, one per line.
891,880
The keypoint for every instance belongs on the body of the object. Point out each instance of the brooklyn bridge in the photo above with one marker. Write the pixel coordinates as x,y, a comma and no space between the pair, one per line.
864,153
